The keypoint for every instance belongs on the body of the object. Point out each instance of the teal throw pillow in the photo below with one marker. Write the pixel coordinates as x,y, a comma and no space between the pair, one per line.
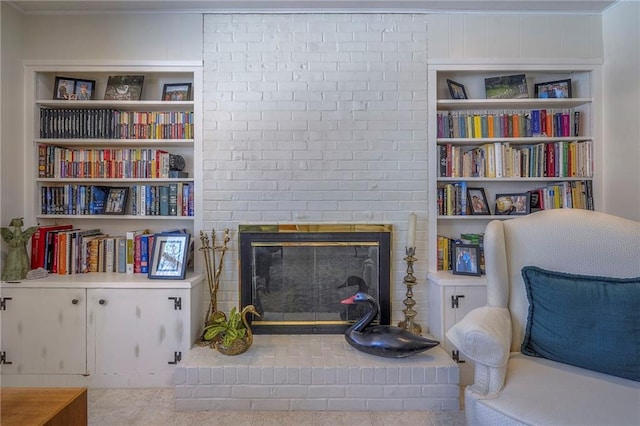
586,321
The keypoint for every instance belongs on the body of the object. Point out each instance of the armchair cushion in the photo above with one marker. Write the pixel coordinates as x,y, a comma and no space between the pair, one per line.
484,335
586,321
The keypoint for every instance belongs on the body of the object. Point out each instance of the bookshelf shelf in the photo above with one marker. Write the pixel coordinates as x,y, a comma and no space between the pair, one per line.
113,181
514,141
151,105
119,143
110,217
478,104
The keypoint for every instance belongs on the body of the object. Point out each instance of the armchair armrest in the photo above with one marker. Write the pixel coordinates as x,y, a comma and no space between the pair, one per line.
484,336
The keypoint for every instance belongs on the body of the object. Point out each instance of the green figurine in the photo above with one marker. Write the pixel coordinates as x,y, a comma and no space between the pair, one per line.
17,263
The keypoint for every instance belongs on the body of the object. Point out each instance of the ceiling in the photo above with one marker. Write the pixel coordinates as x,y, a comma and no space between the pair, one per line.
204,6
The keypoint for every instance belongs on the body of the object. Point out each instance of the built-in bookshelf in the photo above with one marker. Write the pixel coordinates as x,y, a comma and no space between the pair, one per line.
541,151
115,163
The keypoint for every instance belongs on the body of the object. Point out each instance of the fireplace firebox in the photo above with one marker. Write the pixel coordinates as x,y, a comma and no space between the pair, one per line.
296,275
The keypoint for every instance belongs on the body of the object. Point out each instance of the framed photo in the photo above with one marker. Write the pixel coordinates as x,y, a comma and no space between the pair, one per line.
169,256
116,201
85,90
65,88
554,89
456,90
507,87
176,92
513,204
477,200
124,88
466,259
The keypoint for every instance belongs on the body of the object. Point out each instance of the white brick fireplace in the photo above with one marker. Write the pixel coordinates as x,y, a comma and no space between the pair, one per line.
312,118
316,118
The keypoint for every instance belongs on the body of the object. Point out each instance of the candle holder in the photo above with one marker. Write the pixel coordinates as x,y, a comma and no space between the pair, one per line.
409,280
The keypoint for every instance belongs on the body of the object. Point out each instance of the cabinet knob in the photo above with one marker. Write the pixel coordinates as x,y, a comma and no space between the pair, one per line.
102,301
75,301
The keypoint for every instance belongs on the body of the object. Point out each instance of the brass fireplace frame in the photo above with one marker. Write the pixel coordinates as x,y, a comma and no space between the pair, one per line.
288,235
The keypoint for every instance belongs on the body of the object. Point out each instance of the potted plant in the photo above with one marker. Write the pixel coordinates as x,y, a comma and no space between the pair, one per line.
230,336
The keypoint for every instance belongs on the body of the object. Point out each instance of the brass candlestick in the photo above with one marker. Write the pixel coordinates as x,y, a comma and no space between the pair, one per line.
409,280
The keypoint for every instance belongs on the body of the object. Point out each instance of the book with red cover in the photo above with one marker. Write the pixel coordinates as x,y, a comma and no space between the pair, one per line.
39,244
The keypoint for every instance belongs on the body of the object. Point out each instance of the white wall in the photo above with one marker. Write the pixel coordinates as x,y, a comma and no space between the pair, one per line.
134,37
515,38
621,110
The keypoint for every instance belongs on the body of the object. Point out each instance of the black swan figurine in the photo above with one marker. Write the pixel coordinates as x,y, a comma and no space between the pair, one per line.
382,340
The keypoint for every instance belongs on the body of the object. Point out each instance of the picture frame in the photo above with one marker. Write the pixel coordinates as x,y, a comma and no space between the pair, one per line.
466,260
124,88
553,89
169,256
456,90
116,201
506,87
85,90
177,92
516,204
477,199
64,88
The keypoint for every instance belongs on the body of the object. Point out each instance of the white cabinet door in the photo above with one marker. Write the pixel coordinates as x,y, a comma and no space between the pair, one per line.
132,331
44,331
460,301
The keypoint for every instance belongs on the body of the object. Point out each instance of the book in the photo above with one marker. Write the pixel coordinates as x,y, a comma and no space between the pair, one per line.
109,254
144,254
130,237
173,199
121,254
164,200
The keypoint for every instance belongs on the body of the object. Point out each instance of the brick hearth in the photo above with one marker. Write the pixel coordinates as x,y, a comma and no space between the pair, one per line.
314,372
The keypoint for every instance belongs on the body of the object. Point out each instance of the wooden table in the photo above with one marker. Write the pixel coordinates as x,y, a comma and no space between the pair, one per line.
43,406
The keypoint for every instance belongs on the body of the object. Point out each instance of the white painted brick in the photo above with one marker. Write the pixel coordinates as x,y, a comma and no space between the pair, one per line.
362,391
309,404
192,376
347,404
385,404
215,391
270,404
180,376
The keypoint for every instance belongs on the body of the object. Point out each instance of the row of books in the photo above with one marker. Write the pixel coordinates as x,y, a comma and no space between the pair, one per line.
64,250
509,124
445,246
174,199
454,198
501,159
104,123
108,163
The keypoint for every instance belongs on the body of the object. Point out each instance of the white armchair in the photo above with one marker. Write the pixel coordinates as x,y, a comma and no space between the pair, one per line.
513,388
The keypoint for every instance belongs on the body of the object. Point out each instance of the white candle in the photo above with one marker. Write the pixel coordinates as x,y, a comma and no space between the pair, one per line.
411,240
